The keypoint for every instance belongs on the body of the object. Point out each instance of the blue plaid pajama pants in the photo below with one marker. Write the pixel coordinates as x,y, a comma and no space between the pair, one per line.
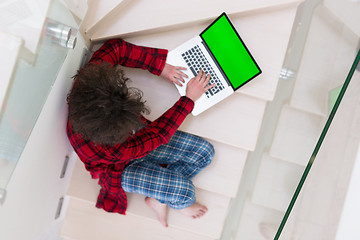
185,156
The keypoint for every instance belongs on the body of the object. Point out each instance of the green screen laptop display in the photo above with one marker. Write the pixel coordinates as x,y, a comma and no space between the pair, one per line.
230,52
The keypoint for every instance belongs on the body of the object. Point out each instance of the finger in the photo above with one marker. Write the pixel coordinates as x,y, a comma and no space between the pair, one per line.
182,74
191,81
181,68
205,79
198,77
202,73
179,77
177,82
204,76
209,87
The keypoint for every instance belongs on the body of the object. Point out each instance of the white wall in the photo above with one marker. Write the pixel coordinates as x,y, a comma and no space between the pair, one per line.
349,221
35,187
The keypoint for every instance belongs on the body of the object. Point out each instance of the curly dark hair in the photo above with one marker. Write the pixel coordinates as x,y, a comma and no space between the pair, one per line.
102,108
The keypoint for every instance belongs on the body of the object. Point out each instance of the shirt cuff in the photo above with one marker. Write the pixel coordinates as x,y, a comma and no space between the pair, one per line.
159,60
188,104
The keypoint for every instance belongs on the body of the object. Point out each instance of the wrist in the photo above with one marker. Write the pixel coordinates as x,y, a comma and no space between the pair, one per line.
189,102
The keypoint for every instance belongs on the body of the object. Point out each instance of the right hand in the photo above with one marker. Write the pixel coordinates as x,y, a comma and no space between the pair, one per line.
198,85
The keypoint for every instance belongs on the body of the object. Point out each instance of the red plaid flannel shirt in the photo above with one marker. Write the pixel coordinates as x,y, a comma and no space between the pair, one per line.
108,163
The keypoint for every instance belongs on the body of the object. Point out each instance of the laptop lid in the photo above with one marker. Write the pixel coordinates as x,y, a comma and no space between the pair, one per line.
230,52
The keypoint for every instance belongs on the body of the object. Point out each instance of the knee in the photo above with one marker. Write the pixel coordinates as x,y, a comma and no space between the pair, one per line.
208,152
185,196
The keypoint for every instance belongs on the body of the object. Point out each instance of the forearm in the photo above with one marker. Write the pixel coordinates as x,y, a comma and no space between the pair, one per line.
118,51
168,123
156,133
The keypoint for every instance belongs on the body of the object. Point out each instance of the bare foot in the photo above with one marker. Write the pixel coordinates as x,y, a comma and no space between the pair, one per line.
159,208
194,211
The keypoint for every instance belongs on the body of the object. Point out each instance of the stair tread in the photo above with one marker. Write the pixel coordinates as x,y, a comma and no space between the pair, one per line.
223,175
165,10
346,12
210,224
329,63
11,51
97,10
296,135
258,222
216,203
276,183
242,110
235,121
274,26
97,224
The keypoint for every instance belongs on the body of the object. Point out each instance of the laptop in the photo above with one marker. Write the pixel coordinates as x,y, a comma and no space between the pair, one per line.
220,52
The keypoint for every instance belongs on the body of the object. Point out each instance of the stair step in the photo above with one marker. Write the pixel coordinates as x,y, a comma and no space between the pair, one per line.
296,135
8,64
98,10
223,175
258,222
329,63
276,183
210,225
82,187
235,121
243,111
97,224
267,36
175,15
312,85
274,26
80,178
347,13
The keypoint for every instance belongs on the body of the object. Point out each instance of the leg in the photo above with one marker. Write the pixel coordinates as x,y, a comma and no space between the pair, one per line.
163,188
151,180
184,153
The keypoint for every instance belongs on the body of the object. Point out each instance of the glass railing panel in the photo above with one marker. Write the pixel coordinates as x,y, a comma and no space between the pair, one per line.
320,55
28,91
316,206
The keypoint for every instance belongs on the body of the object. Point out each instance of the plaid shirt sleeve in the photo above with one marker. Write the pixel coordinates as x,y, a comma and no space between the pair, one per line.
118,51
155,134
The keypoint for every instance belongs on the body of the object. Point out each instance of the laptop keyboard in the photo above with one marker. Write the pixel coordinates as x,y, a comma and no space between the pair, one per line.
196,61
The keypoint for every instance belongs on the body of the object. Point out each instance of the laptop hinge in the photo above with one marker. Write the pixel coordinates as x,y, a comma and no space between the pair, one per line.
217,64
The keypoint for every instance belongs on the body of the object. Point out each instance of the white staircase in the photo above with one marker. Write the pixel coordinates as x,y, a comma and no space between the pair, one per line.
235,123
326,59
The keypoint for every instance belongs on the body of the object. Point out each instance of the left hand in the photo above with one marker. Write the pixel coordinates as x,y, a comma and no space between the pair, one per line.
174,74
